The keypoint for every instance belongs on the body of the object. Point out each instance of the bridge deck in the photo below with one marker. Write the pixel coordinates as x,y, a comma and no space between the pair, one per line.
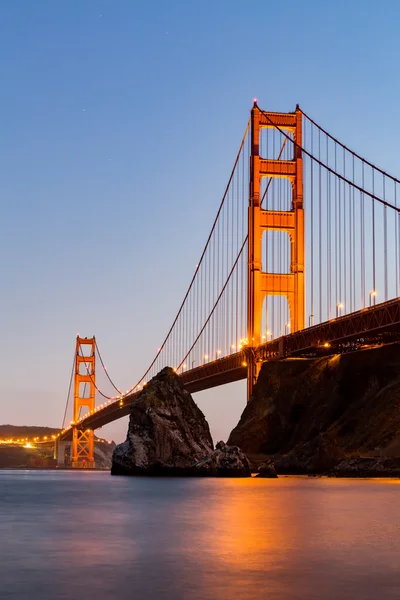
359,326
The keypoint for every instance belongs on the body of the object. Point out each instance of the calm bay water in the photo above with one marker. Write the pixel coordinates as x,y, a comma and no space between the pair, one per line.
69,535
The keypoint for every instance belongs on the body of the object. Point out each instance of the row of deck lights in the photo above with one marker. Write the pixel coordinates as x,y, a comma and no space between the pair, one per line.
113,400
243,342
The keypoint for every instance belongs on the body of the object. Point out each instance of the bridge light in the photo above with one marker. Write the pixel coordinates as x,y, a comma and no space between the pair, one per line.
327,345
372,294
244,364
233,346
339,305
205,356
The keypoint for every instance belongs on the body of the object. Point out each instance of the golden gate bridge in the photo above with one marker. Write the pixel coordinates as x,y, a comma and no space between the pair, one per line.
302,257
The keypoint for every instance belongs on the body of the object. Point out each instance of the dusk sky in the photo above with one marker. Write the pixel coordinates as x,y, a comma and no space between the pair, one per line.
120,122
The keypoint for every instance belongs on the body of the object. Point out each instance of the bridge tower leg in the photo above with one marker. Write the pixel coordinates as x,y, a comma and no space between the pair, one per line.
260,283
85,378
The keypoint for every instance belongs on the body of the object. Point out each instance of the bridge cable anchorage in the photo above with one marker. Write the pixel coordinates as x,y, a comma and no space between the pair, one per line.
215,228
69,391
105,370
341,177
347,149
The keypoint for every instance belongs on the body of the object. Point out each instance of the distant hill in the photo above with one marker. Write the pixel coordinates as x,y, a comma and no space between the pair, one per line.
41,456
26,431
29,431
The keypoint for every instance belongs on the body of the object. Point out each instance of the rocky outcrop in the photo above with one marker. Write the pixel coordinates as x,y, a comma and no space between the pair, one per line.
309,415
224,461
368,467
167,432
267,470
319,455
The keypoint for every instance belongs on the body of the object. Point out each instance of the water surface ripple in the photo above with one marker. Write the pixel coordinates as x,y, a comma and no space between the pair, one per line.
69,535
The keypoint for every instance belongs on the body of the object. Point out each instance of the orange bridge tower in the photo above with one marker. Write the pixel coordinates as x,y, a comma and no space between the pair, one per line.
260,283
84,397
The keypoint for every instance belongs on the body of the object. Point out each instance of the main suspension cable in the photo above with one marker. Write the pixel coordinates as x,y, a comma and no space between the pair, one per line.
92,380
69,391
201,258
105,370
230,273
215,305
371,195
348,149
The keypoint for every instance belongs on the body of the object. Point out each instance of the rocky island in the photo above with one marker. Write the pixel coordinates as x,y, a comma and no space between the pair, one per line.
169,435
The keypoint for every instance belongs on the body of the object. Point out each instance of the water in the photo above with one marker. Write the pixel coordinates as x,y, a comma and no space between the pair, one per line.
70,535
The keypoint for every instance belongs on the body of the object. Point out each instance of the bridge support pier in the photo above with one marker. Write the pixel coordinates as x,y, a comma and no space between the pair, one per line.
253,371
59,452
261,283
83,441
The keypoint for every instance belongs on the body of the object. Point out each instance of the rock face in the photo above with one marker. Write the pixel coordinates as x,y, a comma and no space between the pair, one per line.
224,461
368,467
167,432
308,415
319,455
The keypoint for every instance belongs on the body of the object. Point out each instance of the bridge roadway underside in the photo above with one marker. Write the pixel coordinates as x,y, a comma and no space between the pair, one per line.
364,326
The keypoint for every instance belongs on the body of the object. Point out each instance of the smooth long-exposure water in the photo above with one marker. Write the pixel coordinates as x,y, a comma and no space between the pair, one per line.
72,535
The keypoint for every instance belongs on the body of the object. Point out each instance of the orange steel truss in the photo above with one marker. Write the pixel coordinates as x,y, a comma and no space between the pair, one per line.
83,440
260,283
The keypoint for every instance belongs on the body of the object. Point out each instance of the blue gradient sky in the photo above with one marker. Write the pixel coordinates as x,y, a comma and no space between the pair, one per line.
120,121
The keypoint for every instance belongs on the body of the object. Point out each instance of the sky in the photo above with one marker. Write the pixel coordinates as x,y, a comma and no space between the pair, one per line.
120,122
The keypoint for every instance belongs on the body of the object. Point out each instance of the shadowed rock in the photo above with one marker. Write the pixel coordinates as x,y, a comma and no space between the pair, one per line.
368,467
319,455
309,415
267,470
167,432
224,461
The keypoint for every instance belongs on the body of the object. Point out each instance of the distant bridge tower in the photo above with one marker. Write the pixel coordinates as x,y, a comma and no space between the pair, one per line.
85,379
260,283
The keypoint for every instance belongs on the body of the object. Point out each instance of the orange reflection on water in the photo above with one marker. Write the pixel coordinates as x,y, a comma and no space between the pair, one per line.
242,536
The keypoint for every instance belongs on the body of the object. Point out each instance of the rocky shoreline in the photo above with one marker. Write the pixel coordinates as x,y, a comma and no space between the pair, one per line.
353,467
337,416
